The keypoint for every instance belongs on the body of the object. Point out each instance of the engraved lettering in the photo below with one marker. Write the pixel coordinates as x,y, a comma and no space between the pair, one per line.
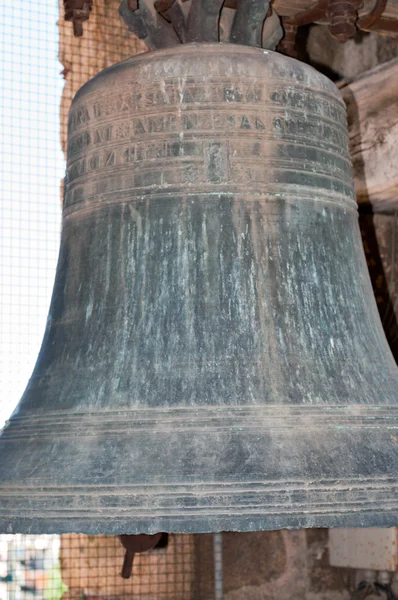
232,95
205,121
186,96
76,170
78,118
97,110
149,97
82,116
139,127
129,154
163,97
110,158
103,134
79,143
218,125
310,128
94,162
240,94
124,130
155,151
253,95
222,121
171,95
125,102
162,123
139,153
189,121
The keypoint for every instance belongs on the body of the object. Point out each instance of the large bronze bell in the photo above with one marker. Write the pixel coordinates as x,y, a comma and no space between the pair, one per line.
213,358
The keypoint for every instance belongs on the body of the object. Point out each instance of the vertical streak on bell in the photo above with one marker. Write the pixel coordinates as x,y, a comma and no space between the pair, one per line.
213,358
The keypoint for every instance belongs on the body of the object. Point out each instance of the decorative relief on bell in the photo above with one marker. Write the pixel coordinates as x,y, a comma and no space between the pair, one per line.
239,110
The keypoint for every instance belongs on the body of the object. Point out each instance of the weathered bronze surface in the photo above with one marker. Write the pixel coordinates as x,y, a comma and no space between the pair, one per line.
213,358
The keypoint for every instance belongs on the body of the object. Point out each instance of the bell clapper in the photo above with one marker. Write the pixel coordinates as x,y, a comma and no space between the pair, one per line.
139,543
127,568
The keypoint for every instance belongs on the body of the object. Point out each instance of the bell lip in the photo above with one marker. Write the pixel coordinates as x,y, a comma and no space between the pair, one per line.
244,523
192,48
354,501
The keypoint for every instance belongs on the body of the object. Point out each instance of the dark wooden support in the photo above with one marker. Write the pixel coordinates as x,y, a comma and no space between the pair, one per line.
372,108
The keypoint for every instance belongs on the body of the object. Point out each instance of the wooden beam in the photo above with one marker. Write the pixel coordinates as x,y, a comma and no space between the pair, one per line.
372,107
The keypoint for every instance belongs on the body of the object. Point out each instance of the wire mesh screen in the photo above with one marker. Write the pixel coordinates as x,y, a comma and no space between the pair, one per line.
91,566
31,167
81,567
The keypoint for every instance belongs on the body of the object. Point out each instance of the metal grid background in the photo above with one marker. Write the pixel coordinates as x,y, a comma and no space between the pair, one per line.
80,567
31,168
